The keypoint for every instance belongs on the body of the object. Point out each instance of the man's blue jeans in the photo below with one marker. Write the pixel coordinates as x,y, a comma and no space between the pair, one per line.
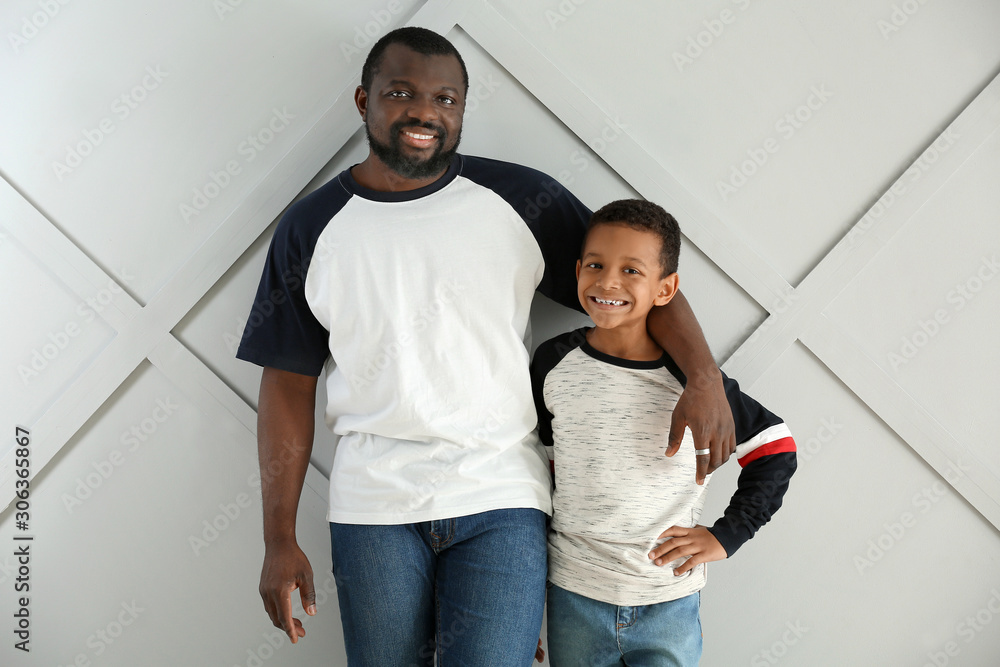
471,589
583,631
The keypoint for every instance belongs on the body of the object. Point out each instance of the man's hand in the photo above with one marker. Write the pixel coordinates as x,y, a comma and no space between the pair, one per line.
704,409
285,569
697,542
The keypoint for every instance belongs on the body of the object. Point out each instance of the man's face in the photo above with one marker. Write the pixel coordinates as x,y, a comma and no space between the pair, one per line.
413,112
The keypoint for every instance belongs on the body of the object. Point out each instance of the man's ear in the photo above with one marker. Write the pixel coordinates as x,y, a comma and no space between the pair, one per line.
361,101
578,269
668,288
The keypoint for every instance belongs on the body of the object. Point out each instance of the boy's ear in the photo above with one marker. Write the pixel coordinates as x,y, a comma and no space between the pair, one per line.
668,288
578,265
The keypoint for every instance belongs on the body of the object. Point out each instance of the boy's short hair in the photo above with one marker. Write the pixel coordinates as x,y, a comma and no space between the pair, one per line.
644,216
421,40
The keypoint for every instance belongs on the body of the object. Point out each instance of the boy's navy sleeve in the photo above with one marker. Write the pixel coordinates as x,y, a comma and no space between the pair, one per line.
282,331
766,453
547,357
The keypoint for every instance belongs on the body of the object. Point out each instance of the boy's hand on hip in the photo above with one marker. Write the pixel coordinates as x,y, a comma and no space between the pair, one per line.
704,409
697,543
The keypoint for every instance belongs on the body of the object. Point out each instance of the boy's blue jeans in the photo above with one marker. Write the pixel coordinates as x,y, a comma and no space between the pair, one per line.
583,631
471,589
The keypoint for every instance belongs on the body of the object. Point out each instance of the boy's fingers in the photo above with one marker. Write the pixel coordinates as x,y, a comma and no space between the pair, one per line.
673,531
689,564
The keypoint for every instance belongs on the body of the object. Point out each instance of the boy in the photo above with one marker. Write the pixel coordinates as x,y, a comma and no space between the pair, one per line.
626,563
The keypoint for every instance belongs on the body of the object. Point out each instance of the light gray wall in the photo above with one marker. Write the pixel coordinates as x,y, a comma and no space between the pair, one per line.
833,167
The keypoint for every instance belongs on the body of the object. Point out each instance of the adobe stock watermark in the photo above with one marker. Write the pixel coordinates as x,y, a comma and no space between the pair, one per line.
274,640
121,108
714,28
495,419
786,127
34,23
445,294
967,629
772,655
959,297
900,188
579,162
249,149
223,8
448,636
480,90
367,34
923,501
131,441
42,357
230,512
103,638
899,16
825,434
563,11
787,299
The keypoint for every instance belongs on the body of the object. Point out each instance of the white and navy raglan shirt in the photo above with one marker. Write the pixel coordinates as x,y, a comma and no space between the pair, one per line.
416,303
607,422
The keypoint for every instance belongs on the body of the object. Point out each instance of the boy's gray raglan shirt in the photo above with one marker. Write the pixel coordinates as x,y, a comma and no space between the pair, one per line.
606,421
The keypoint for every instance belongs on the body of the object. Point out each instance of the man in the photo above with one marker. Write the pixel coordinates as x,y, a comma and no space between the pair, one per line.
413,272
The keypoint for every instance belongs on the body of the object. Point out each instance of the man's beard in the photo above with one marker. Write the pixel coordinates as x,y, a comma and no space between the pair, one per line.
391,154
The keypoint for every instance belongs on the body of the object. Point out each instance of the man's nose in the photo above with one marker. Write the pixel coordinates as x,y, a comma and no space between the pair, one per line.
423,109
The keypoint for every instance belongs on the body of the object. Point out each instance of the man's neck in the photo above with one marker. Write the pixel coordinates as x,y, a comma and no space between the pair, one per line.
624,342
375,175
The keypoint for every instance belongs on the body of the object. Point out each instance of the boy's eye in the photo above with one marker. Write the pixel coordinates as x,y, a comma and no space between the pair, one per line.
593,265
634,271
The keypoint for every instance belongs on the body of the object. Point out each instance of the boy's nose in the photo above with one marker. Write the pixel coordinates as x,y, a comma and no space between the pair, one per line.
608,281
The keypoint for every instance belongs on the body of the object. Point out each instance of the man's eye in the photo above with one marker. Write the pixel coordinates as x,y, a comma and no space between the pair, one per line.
593,265
399,93
447,100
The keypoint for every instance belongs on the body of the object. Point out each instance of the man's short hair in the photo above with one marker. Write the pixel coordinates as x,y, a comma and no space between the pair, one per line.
644,216
421,40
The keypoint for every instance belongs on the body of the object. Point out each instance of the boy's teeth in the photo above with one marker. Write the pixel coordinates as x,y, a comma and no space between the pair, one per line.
609,302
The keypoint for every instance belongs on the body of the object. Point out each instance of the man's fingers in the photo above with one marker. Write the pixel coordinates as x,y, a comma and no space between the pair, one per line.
288,622
702,461
677,425
307,593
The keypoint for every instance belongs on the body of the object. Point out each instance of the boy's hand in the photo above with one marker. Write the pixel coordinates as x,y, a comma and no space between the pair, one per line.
539,652
697,542
704,409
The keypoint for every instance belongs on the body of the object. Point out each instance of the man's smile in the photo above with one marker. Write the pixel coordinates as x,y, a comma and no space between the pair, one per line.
418,138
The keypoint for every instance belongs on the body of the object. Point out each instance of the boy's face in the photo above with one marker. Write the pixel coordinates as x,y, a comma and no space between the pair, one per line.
618,278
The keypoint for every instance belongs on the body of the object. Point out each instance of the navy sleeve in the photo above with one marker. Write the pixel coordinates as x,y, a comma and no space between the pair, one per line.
547,356
556,218
767,468
282,331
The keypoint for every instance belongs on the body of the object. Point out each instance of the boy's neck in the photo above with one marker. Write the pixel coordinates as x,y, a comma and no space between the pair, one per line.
633,343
